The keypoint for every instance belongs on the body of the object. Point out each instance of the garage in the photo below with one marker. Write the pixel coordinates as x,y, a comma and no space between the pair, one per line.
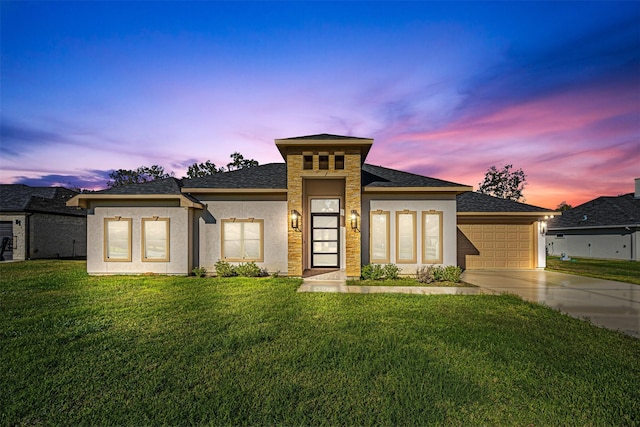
496,246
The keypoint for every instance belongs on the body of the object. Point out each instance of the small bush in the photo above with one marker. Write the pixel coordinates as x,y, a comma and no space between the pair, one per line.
224,269
372,272
425,274
451,273
249,269
391,271
199,272
275,274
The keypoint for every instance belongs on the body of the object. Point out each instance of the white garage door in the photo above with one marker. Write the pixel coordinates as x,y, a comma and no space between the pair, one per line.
508,246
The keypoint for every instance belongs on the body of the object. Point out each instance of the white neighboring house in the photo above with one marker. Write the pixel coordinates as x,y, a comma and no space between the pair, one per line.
605,228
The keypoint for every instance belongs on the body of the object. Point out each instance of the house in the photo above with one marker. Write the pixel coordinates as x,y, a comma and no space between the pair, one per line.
606,228
323,209
35,222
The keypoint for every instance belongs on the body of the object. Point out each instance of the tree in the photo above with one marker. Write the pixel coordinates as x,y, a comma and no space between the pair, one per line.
504,183
122,177
239,162
564,206
198,170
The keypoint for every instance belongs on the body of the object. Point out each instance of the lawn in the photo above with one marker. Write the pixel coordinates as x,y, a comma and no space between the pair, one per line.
154,350
622,271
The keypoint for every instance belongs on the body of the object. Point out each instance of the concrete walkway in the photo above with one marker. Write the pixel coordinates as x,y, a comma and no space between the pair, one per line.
341,287
613,305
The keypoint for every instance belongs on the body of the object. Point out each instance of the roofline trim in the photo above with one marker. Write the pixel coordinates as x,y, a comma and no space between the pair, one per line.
234,190
81,200
593,226
458,190
516,214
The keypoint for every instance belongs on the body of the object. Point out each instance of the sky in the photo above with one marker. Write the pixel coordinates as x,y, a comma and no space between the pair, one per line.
445,89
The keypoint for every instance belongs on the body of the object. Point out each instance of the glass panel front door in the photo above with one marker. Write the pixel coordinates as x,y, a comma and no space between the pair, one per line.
325,233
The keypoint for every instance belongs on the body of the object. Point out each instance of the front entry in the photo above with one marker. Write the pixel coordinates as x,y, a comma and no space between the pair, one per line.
325,233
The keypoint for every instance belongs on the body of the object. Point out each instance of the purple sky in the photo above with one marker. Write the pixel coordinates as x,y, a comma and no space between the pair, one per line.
446,89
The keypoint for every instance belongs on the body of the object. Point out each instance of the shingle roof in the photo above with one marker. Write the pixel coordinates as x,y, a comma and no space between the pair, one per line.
378,176
22,198
269,176
158,186
603,211
478,202
323,137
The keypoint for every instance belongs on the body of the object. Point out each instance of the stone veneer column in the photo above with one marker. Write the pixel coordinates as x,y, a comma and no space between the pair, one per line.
353,193
294,201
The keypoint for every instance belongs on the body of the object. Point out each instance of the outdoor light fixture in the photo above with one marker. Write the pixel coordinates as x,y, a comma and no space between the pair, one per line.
295,220
543,227
354,220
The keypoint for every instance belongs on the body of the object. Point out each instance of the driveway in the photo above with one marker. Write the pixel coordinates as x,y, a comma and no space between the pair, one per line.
613,305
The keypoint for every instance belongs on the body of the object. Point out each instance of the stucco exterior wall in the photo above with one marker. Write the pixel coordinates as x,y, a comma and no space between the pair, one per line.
179,262
445,204
275,216
57,236
612,243
18,236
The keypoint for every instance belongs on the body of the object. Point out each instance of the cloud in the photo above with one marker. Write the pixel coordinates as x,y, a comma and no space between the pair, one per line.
92,179
16,138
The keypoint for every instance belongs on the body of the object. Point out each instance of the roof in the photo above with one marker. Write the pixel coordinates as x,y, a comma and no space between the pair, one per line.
325,141
269,176
604,211
157,186
479,202
323,137
378,176
23,198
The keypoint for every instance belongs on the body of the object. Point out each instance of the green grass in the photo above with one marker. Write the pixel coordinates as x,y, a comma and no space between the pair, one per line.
154,350
622,271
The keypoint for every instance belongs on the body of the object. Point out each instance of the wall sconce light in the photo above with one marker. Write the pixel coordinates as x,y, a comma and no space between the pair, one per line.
354,220
543,227
18,222
295,220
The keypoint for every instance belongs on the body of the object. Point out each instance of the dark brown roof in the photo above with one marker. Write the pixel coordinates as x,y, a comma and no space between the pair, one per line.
378,176
269,176
603,211
23,198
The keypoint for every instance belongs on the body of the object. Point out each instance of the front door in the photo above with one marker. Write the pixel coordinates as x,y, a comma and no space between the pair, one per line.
325,233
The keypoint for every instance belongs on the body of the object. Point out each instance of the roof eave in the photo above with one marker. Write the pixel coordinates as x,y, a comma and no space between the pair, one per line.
82,200
363,143
200,190
590,227
541,215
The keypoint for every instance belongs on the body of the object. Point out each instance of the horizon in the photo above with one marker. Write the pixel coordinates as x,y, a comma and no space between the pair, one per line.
445,90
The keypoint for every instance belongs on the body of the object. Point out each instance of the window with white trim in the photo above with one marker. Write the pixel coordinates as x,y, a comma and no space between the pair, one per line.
242,239
432,237
117,239
406,237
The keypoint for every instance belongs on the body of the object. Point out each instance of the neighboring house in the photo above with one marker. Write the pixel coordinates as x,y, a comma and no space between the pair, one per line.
606,228
35,222
324,209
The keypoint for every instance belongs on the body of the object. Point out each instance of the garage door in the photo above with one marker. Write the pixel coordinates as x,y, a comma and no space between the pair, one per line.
508,246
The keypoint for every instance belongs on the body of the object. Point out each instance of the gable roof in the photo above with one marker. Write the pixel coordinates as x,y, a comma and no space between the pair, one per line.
23,198
472,202
604,211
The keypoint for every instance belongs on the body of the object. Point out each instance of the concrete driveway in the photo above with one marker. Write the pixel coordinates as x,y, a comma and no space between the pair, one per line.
613,305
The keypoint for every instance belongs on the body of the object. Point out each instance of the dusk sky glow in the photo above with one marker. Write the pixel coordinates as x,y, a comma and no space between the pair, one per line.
446,89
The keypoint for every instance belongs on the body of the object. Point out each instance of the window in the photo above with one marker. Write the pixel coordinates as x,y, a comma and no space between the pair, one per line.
117,239
432,237
379,237
242,239
155,239
339,161
323,162
307,162
406,237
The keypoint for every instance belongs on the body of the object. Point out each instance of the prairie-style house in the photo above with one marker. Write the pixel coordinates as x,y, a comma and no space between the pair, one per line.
323,209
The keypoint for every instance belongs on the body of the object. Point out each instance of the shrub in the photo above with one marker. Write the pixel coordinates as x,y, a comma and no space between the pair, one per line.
391,271
372,272
425,274
451,273
199,271
249,269
224,269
